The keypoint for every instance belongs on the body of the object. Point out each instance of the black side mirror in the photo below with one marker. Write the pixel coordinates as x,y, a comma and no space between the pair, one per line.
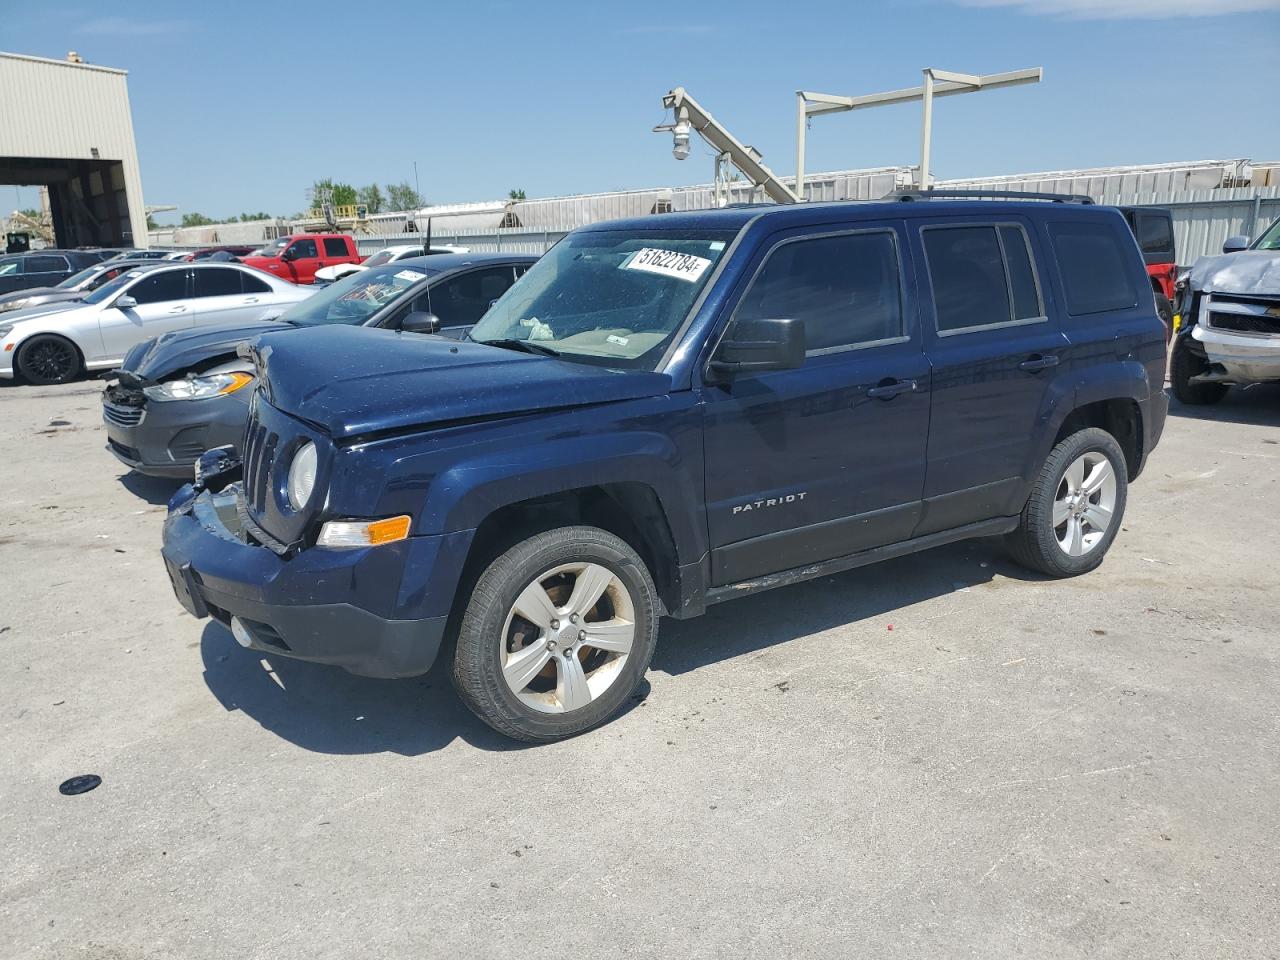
1235,244
290,253
420,322
760,345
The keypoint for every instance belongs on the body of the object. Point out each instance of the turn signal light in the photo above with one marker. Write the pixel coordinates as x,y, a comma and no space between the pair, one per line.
364,533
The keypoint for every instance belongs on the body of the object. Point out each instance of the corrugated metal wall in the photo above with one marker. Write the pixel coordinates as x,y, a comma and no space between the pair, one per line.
59,110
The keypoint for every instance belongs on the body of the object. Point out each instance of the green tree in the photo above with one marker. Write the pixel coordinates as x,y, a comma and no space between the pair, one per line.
246,217
196,220
371,196
516,194
31,212
151,223
401,196
340,194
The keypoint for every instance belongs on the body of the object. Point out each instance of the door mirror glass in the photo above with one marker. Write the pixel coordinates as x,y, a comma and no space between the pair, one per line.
126,302
1235,244
766,344
420,322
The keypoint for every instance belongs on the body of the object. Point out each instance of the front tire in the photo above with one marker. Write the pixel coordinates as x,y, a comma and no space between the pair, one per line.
1182,368
1075,508
46,359
557,634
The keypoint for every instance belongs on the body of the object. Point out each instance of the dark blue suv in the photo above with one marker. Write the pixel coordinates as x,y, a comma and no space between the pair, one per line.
668,412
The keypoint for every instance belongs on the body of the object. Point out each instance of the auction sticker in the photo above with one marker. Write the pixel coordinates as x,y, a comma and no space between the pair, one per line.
668,263
410,275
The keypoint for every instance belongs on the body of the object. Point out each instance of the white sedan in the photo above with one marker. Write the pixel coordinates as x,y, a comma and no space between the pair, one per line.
54,346
385,255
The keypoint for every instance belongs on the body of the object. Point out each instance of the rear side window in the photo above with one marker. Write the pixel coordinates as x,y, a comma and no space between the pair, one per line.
1095,268
846,289
46,265
253,284
159,287
217,282
981,276
1155,234
335,247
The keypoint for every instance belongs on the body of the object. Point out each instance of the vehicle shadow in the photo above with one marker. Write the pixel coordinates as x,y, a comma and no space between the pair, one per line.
154,490
878,591
1255,405
327,710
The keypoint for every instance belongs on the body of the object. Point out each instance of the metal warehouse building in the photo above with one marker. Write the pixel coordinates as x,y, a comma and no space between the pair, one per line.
66,125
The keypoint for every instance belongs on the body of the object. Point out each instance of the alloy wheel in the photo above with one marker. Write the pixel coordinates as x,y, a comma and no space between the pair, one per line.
567,637
1084,504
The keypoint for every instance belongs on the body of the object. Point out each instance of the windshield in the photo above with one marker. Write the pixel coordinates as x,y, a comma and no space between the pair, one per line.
273,249
378,259
352,300
76,279
109,290
609,298
1269,240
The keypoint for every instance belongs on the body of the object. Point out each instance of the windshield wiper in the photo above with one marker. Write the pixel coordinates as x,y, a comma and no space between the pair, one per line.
511,343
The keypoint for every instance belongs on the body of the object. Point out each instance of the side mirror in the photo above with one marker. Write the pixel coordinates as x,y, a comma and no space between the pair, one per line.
420,322
126,302
1235,244
760,345
290,253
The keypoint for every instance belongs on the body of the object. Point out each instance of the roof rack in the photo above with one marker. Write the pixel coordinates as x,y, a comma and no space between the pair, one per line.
910,195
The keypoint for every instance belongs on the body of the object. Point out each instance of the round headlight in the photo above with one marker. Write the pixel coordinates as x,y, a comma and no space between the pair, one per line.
302,475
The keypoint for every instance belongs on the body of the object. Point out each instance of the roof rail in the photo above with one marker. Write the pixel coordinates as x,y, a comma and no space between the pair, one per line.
909,195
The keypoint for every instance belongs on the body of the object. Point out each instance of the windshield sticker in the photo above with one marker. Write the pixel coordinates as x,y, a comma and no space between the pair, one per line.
620,341
667,263
411,275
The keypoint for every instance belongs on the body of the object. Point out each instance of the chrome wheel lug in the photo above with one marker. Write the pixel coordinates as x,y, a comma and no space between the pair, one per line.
555,624
582,634
573,618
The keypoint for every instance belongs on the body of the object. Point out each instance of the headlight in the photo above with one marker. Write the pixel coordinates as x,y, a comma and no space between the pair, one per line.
14,304
302,475
199,388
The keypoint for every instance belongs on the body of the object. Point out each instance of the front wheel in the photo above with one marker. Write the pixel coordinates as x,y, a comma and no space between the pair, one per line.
47,359
1075,507
1182,368
558,633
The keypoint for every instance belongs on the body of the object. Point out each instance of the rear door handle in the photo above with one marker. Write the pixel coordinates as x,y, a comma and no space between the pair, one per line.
1039,362
886,391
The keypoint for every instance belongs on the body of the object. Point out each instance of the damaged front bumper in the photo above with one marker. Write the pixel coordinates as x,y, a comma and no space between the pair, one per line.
372,611
1242,357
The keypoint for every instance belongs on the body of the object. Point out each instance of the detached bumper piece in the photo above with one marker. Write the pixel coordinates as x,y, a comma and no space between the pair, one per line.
323,606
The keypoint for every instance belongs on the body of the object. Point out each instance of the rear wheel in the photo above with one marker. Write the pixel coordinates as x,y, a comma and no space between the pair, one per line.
1182,368
47,358
1075,507
558,633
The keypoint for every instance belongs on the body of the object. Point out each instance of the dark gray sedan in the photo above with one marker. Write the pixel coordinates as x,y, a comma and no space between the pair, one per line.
180,394
76,287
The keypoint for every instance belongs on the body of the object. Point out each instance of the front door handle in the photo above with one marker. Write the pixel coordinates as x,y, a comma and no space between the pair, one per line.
250,299
178,310
1039,361
887,390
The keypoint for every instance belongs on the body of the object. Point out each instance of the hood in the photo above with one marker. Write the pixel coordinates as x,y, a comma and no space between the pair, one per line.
39,310
352,381
338,270
48,294
1246,272
176,352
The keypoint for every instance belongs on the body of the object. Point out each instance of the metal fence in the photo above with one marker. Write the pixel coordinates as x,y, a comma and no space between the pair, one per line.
536,242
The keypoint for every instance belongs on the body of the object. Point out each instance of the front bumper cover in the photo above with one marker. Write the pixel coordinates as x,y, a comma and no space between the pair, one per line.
165,439
323,606
1246,357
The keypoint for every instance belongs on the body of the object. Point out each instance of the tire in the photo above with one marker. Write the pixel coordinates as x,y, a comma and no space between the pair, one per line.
545,698
1042,545
48,359
1185,365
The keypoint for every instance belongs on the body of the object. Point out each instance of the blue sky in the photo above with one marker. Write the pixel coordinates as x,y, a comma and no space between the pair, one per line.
241,106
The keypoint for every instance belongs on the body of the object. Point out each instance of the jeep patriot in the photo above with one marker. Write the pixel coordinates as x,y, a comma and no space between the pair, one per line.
668,412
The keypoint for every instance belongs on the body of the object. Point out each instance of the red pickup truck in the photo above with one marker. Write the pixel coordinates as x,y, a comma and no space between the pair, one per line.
297,258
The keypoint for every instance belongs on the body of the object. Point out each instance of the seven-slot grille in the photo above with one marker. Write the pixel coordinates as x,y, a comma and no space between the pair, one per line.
259,454
1244,314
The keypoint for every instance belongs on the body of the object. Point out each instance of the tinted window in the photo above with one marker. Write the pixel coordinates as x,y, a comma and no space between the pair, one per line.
159,287
46,265
845,289
10,267
304,249
1095,268
1022,276
465,299
966,272
1155,234
215,282
253,284
335,247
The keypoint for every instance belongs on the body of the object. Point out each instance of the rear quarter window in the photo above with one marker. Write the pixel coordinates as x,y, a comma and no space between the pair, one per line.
1095,266
335,247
